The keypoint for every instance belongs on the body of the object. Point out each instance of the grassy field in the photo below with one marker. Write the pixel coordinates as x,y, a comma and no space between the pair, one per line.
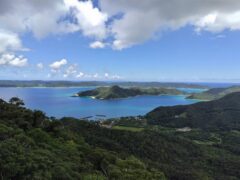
133,129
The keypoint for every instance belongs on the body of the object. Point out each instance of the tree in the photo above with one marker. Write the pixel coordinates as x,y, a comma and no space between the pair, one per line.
2,101
16,101
38,118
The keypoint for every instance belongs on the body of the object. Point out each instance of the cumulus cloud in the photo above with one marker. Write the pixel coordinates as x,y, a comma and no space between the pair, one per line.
97,44
39,17
88,18
9,42
141,20
71,70
217,22
52,17
13,60
58,64
120,23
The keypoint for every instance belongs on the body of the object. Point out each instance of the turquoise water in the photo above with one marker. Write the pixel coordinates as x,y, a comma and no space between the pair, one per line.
59,103
192,90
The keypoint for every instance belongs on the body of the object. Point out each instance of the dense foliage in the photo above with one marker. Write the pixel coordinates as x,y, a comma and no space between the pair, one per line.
191,155
34,146
221,114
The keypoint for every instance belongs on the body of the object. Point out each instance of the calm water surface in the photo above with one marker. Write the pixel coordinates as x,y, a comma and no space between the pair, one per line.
59,103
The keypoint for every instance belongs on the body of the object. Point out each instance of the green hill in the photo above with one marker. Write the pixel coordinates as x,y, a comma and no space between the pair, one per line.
115,92
34,146
222,114
215,93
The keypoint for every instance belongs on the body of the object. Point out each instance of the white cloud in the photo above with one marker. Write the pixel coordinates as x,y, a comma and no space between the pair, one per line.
90,20
121,23
97,44
217,22
58,64
9,42
13,60
49,17
80,75
106,75
40,65
142,20
40,17
71,70
96,76
112,77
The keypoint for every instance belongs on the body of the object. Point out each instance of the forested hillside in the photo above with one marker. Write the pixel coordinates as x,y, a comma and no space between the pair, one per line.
34,146
221,114
215,93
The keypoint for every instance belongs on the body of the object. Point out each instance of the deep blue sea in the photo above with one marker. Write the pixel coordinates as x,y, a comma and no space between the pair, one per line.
59,103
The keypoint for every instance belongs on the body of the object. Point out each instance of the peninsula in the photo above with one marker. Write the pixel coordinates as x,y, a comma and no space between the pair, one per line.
220,114
214,93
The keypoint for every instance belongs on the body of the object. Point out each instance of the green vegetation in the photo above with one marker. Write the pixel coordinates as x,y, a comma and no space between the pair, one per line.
126,128
221,114
34,146
116,92
215,93
177,154
136,121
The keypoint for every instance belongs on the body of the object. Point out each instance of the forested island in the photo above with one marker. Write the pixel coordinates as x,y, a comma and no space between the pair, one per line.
199,141
116,92
214,93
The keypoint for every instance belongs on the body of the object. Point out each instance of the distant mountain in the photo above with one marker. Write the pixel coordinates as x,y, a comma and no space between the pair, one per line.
215,93
221,114
115,92
38,83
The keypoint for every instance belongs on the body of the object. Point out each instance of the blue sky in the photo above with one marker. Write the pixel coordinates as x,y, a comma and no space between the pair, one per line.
172,54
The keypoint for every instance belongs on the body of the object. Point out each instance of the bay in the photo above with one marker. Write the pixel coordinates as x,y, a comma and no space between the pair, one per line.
58,102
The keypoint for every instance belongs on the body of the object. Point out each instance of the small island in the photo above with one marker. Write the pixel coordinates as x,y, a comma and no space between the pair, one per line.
116,92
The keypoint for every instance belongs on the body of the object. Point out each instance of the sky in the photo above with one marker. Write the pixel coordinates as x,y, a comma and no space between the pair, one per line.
120,40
